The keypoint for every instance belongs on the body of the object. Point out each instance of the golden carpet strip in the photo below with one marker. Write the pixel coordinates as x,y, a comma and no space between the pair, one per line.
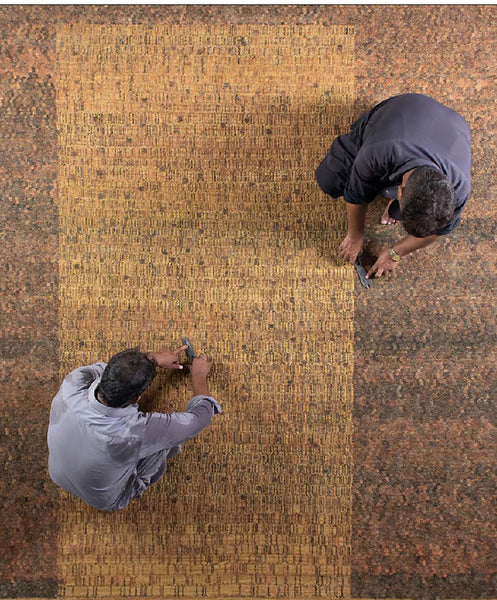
188,206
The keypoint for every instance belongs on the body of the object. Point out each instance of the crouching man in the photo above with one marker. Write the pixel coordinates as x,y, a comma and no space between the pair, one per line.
102,448
412,150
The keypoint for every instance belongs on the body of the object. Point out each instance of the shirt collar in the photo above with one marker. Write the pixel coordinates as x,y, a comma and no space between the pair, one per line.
108,411
410,165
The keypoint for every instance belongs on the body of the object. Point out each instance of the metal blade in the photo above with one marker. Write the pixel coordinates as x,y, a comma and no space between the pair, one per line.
190,352
361,271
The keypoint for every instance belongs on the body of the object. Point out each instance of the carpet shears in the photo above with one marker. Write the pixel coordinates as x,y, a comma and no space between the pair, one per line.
190,352
361,271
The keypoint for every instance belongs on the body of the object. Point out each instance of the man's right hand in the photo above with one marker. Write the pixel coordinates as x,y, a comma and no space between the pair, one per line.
199,370
201,366
351,247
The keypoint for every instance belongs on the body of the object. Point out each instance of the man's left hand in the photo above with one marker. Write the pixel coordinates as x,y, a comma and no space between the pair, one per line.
169,359
383,266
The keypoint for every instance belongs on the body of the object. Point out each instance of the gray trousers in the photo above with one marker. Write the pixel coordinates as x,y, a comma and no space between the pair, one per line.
148,471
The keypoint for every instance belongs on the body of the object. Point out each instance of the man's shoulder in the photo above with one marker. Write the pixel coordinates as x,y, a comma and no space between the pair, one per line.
81,379
86,375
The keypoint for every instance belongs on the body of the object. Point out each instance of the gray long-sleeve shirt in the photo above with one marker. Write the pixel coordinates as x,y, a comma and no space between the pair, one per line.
94,449
405,132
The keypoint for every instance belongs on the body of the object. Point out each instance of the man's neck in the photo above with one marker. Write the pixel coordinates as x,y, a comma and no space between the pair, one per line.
99,398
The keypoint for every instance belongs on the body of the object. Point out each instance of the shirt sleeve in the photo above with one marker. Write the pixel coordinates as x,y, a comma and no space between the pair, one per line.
165,430
448,228
370,167
377,166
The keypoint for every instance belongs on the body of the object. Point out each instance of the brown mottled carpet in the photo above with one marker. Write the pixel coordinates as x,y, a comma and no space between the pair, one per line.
424,483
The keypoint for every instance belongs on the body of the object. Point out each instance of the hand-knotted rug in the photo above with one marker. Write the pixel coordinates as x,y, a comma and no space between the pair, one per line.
188,206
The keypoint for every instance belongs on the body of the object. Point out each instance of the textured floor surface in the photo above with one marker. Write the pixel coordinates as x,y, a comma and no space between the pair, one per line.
162,132
425,359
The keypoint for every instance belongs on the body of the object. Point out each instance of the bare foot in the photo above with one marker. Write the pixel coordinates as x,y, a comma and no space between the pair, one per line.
386,219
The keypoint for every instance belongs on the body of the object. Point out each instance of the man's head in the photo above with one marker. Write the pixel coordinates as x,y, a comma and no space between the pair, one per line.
126,376
426,199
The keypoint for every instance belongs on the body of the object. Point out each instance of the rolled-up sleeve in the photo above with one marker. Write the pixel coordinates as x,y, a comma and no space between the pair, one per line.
379,165
165,430
371,165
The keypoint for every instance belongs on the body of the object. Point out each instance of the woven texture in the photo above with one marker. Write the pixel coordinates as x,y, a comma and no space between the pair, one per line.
188,206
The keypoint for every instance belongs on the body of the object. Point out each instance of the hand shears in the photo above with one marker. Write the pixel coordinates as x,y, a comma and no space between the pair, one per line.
190,352
361,271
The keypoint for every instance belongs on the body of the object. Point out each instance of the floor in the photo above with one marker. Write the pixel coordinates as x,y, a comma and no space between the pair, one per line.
425,379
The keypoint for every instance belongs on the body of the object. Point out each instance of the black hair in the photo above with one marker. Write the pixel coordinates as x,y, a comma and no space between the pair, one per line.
427,202
126,376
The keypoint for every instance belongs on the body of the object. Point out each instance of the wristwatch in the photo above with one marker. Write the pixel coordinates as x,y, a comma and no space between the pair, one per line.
394,255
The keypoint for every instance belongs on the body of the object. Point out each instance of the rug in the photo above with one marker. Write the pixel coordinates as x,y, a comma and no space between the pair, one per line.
188,206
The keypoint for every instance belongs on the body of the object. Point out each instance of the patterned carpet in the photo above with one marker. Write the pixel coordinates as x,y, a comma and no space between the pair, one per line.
415,517
187,204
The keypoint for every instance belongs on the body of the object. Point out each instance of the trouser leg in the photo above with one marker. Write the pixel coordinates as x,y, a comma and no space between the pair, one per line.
335,169
329,181
174,451
148,471
151,468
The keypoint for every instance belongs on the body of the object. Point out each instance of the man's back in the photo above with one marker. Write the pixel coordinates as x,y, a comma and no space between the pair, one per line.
403,133
93,450
426,125
96,451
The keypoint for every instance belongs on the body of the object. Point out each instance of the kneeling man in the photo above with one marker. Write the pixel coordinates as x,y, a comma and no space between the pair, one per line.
102,448
413,150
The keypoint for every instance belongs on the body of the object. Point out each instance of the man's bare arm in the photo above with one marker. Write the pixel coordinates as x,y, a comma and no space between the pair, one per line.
199,370
385,263
356,219
411,243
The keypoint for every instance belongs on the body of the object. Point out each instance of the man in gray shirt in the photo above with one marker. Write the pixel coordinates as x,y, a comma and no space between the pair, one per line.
102,448
413,150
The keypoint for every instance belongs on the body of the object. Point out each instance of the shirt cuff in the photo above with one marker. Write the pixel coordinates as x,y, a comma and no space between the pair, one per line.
215,403
351,200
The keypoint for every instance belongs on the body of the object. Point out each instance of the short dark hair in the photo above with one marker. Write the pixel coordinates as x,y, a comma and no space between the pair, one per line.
427,202
126,376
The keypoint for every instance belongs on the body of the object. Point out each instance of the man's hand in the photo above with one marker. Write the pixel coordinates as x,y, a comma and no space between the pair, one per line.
351,247
169,359
384,265
201,367
199,370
